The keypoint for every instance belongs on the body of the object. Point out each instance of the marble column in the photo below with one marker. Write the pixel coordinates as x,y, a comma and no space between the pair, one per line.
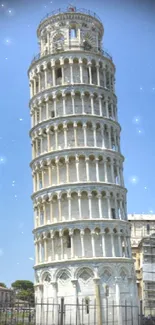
82,243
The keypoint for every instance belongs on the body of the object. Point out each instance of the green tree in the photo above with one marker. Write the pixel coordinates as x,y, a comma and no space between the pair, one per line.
2,285
24,290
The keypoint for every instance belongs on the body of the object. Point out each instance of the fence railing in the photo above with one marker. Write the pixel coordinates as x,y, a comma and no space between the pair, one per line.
69,10
68,48
50,313
69,314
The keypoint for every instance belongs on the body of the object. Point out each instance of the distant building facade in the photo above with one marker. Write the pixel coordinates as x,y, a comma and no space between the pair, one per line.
6,295
143,252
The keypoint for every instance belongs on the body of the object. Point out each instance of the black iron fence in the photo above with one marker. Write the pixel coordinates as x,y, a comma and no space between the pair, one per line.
44,313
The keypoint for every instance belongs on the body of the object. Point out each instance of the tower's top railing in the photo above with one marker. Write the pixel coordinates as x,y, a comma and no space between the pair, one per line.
80,48
72,9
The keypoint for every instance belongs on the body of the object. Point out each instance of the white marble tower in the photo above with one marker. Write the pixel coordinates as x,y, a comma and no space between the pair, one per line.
81,231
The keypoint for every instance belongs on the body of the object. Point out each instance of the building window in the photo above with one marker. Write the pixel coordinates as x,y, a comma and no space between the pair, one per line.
38,117
73,33
148,228
40,181
113,213
68,242
39,147
59,73
52,114
88,75
41,216
37,86
45,38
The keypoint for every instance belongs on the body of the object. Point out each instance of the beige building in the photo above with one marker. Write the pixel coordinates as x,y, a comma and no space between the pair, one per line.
143,251
6,295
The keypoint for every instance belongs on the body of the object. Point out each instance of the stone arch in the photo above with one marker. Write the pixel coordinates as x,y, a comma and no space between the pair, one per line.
85,277
106,267
84,272
58,40
123,273
75,59
46,276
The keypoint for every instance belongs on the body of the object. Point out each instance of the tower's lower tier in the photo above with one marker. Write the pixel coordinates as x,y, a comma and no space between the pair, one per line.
92,290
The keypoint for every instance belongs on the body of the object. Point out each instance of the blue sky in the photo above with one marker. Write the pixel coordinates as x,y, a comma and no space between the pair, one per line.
129,37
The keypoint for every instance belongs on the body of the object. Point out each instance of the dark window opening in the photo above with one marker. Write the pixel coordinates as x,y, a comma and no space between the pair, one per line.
52,114
59,73
38,117
46,39
148,228
37,85
113,213
68,242
87,46
39,147
88,75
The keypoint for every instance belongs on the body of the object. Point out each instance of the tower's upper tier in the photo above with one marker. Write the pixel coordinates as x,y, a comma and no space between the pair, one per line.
70,29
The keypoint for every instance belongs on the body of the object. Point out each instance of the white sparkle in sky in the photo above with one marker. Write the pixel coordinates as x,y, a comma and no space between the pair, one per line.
31,258
151,211
20,119
10,12
7,41
141,88
2,160
145,187
140,131
134,179
2,5
136,119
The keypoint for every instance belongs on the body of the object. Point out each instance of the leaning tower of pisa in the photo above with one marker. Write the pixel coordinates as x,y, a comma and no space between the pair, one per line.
81,231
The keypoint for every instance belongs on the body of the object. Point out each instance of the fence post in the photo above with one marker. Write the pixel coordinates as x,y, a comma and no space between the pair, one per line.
141,312
126,313
98,302
62,312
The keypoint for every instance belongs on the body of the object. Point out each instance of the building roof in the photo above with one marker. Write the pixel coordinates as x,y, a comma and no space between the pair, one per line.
147,239
5,289
142,217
